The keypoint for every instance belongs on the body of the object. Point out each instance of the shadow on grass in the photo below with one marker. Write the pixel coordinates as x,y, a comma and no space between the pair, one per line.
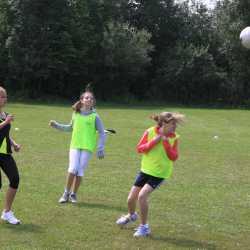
100,206
180,242
32,228
184,242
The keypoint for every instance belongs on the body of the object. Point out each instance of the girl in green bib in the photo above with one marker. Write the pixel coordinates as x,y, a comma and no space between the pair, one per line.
159,149
84,124
7,162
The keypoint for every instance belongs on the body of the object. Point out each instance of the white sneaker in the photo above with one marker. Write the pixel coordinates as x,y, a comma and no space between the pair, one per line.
9,217
72,198
142,231
125,219
64,198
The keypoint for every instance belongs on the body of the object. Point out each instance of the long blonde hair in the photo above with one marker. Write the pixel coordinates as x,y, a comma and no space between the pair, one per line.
167,117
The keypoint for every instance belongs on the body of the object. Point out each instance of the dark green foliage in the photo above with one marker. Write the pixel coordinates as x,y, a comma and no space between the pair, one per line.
231,18
39,46
162,50
125,55
3,37
188,75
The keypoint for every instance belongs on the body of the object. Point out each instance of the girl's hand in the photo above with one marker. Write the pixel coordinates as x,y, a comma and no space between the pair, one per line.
157,138
100,154
164,138
16,147
162,134
167,128
9,119
52,123
161,131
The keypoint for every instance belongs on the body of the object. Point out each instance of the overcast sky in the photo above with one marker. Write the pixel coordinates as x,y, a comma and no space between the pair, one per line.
209,3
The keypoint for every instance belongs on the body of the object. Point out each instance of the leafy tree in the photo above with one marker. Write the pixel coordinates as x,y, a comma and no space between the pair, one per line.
40,45
3,37
125,56
186,70
128,49
188,75
231,18
91,21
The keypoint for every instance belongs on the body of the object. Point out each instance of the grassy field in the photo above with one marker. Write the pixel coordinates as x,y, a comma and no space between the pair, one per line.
205,205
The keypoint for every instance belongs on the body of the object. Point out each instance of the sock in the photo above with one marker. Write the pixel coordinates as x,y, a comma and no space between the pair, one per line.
66,191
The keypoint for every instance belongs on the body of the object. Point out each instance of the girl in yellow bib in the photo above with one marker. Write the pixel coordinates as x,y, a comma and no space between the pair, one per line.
7,162
159,149
84,124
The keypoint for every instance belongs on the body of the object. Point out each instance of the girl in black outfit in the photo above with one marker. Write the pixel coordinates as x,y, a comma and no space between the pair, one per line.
7,163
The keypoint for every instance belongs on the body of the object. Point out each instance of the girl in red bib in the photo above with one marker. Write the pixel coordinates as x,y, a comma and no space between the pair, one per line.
159,149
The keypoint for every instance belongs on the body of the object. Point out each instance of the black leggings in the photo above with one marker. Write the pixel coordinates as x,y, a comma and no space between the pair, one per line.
8,165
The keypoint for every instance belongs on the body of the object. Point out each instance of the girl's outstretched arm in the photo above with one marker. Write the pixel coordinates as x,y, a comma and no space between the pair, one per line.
60,126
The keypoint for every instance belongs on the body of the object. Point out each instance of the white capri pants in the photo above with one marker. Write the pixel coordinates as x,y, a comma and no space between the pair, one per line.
78,161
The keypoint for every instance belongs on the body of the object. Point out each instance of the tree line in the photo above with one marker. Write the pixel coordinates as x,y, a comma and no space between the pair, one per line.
139,50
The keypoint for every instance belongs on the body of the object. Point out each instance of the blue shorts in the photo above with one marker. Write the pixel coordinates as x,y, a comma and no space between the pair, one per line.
142,179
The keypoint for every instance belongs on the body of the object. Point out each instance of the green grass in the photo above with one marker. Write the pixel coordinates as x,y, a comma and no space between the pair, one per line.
205,205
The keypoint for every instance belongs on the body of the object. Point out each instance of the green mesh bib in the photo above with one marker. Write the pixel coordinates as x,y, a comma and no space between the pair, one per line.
84,132
156,161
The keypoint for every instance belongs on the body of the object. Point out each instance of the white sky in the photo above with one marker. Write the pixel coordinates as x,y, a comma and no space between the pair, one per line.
209,3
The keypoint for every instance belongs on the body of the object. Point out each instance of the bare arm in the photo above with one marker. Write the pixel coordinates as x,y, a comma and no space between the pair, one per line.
8,120
16,146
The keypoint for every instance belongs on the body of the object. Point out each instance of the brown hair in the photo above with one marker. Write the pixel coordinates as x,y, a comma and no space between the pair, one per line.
167,117
77,106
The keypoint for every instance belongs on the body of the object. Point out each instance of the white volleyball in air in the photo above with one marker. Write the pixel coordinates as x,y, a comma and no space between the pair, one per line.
245,37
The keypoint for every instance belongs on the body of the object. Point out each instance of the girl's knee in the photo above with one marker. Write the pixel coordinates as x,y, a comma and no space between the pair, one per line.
141,197
14,182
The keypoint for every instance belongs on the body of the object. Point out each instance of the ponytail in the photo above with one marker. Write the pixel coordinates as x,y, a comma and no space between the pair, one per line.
77,106
88,89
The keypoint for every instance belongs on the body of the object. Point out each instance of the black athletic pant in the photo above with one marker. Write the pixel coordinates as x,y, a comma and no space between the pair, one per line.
8,165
